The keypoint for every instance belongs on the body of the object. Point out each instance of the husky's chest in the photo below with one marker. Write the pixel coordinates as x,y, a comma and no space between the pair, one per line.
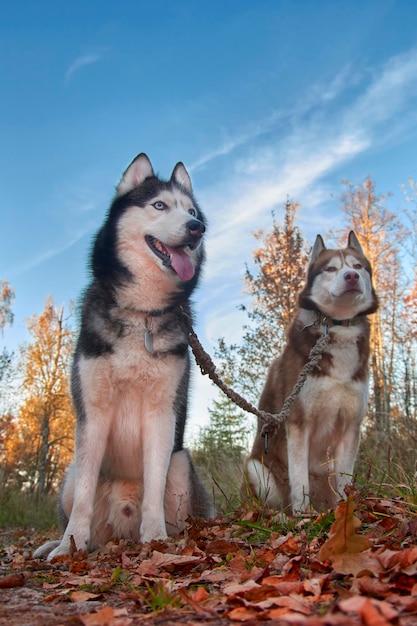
148,360
134,391
336,392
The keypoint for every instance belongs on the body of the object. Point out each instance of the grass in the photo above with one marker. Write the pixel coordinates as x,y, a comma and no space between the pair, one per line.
266,522
18,508
158,597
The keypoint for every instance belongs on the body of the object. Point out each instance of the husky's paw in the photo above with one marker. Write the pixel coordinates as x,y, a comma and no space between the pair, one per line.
46,549
154,530
69,545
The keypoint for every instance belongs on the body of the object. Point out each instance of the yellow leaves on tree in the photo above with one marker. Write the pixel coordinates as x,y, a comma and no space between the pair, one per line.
43,443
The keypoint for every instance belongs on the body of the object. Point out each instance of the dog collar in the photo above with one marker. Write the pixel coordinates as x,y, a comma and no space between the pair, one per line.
159,312
324,320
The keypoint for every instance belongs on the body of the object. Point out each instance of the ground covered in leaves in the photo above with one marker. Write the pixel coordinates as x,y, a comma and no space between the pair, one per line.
357,565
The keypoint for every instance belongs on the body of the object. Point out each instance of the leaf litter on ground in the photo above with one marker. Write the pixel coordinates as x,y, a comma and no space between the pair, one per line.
356,565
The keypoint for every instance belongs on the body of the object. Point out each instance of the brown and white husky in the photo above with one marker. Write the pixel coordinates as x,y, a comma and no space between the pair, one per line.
312,454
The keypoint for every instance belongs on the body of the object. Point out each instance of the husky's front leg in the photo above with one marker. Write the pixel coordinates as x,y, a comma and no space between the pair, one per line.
90,446
297,441
345,457
158,442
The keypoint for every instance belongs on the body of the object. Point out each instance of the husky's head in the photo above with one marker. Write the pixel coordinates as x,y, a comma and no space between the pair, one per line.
153,232
339,282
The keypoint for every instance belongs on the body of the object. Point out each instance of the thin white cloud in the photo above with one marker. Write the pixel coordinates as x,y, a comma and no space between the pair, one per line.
318,94
80,62
30,264
292,165
389,97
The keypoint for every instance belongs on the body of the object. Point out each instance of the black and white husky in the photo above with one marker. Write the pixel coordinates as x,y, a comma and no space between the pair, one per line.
131,476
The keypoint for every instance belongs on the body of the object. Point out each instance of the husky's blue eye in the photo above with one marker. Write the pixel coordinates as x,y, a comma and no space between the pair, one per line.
159,205
192,212
331,268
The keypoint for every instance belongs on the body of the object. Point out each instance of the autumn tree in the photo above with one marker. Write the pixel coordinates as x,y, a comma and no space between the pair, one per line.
381,235
43,442
273,284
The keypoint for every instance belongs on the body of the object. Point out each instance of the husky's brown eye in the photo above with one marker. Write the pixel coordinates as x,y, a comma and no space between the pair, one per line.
357,266
331,268
159,205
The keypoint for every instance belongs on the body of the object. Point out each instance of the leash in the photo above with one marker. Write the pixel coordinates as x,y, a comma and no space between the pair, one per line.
271,420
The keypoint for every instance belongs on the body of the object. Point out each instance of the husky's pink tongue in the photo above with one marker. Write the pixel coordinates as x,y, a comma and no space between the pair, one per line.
181,263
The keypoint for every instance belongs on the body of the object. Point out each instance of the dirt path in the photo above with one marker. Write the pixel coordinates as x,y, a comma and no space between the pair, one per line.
355,566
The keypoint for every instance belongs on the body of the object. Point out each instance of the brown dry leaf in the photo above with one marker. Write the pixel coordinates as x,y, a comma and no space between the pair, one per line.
243,614
161,559
222,547
240,589
79,567
104,617
355,564
291,603
287,545
200,594
374,587
376,613
147,568
195,604
283,587
82,596
314,585
373,612
13,580
399,561
238,565
342,535
218,575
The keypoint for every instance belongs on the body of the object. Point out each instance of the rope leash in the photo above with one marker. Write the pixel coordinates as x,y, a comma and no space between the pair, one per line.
271,420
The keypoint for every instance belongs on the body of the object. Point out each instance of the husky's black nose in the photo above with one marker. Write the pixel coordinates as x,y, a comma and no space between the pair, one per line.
196,228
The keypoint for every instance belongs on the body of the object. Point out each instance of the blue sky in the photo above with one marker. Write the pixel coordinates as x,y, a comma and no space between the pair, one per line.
260,99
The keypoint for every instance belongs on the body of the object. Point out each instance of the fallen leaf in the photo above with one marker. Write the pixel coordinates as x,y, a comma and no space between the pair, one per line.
200,594
281,587
219,546
355,564
83,596
294,604
240,588
13,580
160,559
374,612
242,614
104,617
399,561
342,535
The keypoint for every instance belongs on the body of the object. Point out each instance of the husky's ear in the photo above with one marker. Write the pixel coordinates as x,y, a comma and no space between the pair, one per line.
181,177
353,242
317,249
139,169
